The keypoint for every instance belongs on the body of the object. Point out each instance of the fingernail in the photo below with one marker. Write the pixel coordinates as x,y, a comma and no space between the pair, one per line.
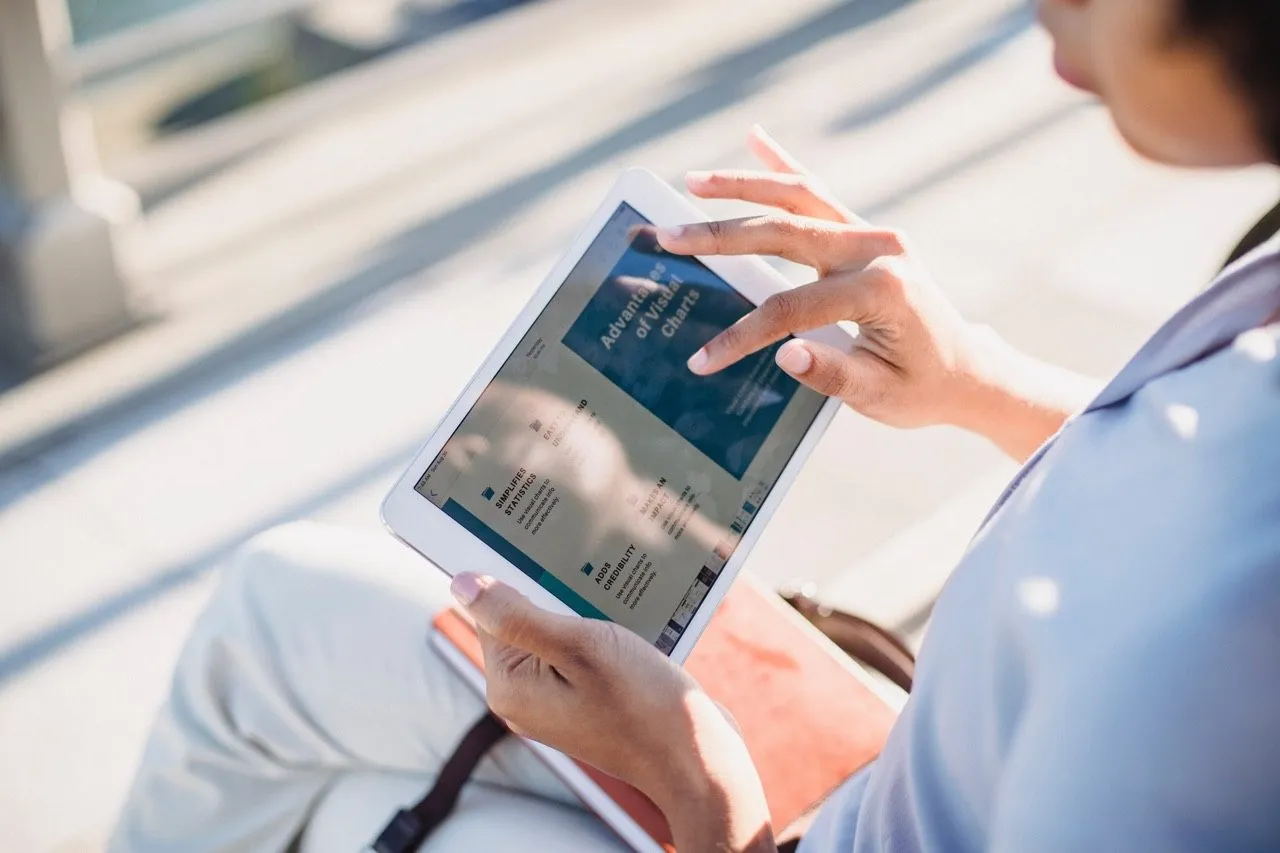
670,233
697,179
795,358
760,131
698,361
466,588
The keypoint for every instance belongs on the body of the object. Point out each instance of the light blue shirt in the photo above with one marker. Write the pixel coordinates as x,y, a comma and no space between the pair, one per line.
1103,668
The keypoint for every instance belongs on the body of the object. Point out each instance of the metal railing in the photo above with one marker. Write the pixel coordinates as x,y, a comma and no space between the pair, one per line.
173,32
61,265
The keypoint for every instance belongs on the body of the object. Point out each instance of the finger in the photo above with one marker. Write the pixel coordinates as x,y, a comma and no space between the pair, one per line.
642,236
491,649
790,312
793,193
861,378
813,242
515,621
729,717
526,692
503,663
769,152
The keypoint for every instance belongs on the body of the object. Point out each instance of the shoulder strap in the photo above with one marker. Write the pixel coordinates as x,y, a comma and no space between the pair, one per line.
866,642
1268,226
410,827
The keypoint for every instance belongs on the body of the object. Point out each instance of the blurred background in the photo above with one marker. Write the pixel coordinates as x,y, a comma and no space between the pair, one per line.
251,249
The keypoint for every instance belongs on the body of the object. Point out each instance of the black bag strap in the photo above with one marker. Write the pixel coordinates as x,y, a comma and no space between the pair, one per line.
866,642
410,827
1268,226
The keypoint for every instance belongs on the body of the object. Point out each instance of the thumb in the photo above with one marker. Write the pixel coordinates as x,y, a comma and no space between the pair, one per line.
514,620
859,378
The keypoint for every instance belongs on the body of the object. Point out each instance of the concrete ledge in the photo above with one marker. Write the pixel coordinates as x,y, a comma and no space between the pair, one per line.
897,585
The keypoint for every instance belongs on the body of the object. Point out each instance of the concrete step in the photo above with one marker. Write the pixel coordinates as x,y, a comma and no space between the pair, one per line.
896,585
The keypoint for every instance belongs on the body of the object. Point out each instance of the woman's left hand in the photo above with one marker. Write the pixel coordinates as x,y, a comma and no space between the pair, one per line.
601,694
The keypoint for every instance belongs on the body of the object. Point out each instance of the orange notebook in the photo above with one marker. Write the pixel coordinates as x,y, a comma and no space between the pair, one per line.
810,716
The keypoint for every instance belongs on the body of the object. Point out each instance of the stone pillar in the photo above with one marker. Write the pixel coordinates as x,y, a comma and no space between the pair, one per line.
62,287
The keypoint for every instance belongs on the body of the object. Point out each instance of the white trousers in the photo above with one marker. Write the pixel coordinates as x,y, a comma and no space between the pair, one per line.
308,706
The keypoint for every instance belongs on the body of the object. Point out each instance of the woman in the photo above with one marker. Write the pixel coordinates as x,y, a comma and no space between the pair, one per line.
1101,672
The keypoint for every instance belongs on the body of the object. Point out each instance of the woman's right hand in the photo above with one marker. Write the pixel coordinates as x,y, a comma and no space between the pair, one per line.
918,363
913,367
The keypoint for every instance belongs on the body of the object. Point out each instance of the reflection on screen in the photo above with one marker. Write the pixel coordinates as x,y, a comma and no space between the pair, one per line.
597,464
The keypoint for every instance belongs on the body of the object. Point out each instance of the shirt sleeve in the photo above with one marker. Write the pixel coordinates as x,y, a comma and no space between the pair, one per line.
1169,742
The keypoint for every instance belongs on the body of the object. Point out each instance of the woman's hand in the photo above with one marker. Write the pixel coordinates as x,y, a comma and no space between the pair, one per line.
599,693
918,362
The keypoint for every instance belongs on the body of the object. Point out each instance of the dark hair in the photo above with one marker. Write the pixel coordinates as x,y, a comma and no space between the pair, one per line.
1247,32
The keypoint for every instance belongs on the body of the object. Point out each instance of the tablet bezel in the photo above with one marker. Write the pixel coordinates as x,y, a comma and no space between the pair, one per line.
427,529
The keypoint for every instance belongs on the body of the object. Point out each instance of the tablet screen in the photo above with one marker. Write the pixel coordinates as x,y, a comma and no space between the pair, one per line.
598,464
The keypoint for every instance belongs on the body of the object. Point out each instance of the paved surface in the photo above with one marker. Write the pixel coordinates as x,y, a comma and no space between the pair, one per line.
327,296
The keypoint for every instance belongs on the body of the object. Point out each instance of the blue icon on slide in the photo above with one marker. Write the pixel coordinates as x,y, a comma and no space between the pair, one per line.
487,494
588,569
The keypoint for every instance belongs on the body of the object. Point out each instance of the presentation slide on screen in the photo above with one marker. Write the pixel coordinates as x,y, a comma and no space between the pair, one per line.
597,464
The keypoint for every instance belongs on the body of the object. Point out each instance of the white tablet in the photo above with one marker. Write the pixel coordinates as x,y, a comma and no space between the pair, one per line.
586,465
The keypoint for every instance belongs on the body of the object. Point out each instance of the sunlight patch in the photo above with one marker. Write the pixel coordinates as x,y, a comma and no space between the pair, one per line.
1184,420
1257,344
1040,596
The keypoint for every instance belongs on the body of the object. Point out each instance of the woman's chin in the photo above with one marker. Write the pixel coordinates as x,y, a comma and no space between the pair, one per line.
1071,76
